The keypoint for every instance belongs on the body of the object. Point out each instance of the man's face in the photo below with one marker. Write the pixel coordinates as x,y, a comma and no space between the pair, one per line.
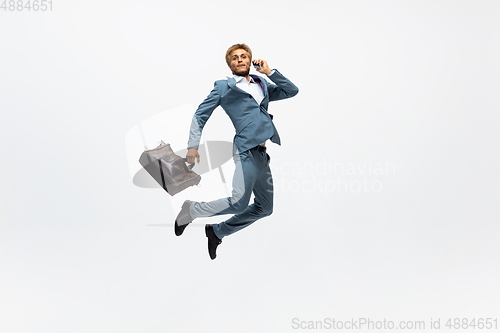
240,62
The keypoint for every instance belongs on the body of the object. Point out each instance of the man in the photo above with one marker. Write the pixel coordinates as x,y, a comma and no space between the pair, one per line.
245,99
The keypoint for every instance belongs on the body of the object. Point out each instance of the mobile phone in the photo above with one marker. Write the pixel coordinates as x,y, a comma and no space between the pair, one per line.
256,65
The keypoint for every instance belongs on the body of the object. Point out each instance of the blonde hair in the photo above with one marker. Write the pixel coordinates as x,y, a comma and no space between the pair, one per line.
236,47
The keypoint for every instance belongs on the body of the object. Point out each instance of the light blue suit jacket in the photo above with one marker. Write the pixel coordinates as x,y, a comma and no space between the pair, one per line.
251,121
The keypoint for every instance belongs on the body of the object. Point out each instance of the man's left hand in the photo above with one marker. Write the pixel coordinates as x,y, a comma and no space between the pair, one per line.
264,66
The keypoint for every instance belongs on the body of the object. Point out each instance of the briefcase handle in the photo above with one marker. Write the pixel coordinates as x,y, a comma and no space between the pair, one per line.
190,166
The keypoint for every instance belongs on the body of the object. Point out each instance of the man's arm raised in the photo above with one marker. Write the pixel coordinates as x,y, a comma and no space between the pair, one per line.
283,88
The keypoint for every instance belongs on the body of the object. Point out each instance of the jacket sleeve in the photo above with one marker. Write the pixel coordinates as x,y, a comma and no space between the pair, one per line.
201,116
283,88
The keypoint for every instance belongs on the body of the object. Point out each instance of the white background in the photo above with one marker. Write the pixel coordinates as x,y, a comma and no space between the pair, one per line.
408,84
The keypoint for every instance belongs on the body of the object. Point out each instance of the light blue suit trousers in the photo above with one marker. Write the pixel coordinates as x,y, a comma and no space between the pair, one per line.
252,174
253,125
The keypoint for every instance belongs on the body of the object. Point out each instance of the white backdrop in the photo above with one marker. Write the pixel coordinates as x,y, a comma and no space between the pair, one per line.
386,182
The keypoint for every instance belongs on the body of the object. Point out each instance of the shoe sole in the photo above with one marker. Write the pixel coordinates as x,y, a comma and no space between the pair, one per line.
177,226
187,202
208,226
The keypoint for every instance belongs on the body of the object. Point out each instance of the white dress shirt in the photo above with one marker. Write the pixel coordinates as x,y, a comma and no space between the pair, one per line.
251,87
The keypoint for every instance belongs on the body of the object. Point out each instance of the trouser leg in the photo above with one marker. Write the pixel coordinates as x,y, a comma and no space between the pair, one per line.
244,177
263,201
252,173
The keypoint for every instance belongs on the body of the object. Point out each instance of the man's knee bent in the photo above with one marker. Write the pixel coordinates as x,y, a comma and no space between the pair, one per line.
239,206
266,211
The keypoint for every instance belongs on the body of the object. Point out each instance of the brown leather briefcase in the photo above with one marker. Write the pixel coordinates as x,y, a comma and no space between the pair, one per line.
169,169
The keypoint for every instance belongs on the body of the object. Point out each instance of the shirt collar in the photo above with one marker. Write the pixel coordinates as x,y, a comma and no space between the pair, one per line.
238,79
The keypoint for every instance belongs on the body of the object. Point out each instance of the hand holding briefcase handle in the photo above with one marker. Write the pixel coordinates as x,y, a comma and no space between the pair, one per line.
192,154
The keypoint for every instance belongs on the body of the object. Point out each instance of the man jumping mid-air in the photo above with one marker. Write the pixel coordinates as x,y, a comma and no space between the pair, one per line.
245,99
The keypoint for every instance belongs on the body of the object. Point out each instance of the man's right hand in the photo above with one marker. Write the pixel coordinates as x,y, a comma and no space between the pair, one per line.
192,154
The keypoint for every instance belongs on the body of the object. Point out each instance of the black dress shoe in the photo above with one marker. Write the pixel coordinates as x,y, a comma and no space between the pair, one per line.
213,241
183,219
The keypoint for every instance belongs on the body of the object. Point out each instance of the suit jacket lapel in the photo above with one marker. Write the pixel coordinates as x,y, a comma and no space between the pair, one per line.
232,84
263,84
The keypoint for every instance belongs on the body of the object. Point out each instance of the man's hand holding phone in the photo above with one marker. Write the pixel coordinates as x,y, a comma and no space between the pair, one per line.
261,66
